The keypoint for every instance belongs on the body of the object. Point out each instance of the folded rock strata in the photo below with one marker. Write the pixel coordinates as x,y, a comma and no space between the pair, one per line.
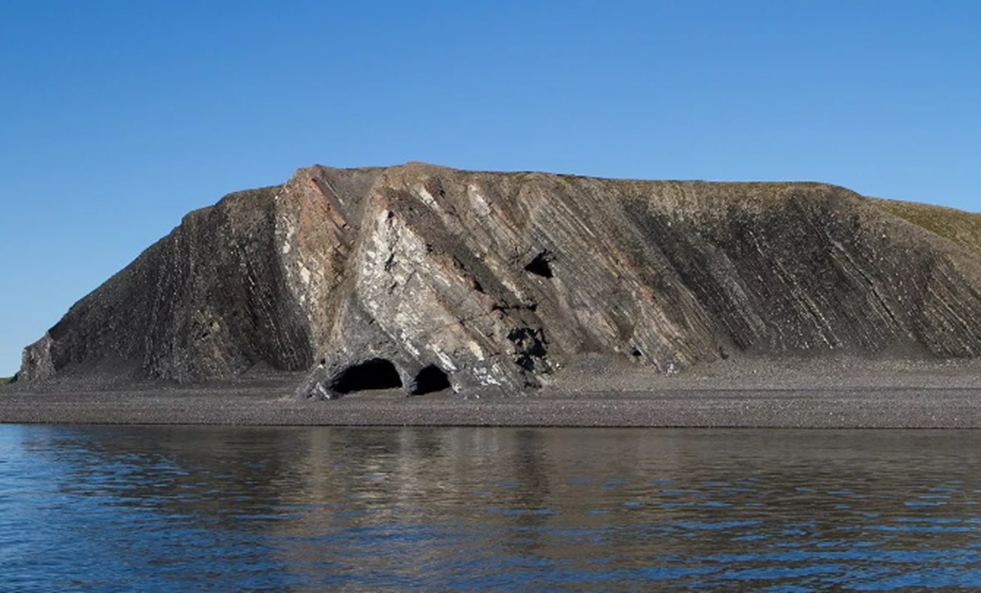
425,278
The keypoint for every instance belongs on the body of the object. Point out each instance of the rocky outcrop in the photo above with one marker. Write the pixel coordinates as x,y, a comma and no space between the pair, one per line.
209,300
425,278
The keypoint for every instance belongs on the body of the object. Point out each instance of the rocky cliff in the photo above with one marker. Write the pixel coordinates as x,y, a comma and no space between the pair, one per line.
425,278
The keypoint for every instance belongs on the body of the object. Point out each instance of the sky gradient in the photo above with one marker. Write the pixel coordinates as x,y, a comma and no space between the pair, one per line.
117,117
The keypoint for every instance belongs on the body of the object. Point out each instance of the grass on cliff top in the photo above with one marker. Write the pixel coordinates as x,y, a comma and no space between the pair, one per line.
4,380
960,227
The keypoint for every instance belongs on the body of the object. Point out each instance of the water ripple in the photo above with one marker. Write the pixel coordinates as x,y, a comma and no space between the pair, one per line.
159,509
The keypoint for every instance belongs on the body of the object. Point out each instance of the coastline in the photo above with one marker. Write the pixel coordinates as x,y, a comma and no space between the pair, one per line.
778,408
802,393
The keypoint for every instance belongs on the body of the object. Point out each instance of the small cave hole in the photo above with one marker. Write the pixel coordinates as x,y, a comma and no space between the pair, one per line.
376,373
636,353
430,380
540,265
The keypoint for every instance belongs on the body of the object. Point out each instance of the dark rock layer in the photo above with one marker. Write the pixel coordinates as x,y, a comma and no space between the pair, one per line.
420,277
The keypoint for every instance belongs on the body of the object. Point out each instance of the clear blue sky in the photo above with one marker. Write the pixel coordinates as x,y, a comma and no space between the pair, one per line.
119,116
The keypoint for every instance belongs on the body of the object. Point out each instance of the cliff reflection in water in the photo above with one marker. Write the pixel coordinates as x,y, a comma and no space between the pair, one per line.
465,508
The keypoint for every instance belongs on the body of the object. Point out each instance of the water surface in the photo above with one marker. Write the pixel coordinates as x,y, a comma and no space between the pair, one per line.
219,508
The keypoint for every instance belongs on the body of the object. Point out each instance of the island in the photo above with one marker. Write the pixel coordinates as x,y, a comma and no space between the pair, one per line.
420,294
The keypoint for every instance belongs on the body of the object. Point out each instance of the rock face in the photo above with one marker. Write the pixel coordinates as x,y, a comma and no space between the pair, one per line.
426,278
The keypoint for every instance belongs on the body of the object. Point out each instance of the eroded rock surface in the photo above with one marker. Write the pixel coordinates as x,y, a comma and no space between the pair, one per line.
423,278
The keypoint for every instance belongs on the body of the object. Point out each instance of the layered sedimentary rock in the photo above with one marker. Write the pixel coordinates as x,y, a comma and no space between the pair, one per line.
428,278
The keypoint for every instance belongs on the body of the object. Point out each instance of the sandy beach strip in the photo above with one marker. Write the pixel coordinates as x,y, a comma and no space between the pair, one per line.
736,408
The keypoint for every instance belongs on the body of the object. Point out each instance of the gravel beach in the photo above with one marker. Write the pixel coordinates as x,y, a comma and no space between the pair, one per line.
868,408
789,394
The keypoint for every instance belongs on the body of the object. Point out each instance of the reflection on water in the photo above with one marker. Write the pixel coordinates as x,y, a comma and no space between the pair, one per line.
487,509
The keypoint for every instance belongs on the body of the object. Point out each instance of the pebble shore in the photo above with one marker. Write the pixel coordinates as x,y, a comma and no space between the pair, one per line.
779,408
790,394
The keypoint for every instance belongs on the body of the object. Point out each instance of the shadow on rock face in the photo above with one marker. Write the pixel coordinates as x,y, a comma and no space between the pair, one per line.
540,265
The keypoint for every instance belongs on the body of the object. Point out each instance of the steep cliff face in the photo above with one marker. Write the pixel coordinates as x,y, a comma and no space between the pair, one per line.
208,300
423,278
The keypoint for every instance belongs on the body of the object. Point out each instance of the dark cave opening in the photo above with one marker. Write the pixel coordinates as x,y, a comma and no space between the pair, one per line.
540,266
430,380
376,373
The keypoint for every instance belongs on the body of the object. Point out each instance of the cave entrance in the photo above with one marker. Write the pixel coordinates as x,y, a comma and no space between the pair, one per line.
540,266
376,373
430,380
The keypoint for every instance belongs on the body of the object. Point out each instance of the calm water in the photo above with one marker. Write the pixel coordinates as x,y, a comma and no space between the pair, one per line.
486,509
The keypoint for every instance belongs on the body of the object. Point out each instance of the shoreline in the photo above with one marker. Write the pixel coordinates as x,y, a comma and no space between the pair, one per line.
735,408
842,393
